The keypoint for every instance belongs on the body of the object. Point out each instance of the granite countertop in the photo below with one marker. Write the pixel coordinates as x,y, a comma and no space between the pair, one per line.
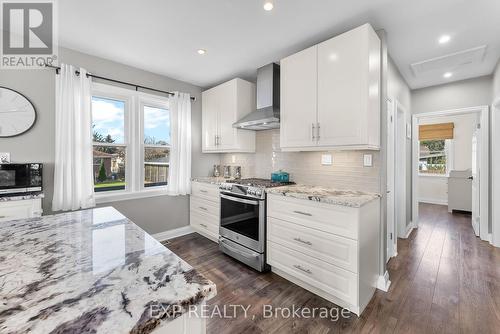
211,179
354,199
21,197
91,271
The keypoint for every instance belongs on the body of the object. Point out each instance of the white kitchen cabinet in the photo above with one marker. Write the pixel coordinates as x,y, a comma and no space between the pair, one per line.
205,209
20,209
298,99
222,106
330,250
338,101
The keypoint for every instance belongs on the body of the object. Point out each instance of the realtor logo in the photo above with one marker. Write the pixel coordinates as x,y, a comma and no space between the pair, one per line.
28,34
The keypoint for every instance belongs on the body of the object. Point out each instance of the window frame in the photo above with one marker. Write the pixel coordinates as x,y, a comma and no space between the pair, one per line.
449,153
133,141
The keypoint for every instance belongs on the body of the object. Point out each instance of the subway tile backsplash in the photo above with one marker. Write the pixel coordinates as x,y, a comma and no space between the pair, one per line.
346,172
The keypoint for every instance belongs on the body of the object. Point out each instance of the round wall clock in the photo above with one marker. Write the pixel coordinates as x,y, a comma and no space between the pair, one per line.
17,113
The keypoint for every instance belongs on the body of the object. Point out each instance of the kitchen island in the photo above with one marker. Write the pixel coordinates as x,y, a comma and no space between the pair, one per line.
95,271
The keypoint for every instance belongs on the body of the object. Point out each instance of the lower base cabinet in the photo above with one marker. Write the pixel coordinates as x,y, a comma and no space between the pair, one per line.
204,213
20,209
330,250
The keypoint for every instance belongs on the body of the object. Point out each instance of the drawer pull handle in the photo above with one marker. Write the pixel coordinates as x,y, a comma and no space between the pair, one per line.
203,191
202,208
303,241
307,271
204,225
3,217
303,213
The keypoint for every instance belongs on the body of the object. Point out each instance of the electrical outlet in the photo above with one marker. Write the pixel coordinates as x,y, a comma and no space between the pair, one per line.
4,157
326,159
368,160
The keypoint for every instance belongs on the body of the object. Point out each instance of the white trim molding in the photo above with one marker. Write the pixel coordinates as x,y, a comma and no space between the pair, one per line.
495,173
411,226
438,201
170,234
383,282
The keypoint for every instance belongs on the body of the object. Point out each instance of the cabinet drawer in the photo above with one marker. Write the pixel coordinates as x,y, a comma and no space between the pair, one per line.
329,218
206,191
203,206
20,209
204,223
339,251
329,278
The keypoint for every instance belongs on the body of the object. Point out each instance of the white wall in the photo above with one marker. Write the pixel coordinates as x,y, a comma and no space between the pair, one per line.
461,94
496,81
434,189
399,90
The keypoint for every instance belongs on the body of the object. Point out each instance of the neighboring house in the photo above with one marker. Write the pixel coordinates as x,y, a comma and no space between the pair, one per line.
109,161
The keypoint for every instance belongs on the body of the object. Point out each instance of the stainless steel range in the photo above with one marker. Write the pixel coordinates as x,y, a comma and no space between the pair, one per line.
243,220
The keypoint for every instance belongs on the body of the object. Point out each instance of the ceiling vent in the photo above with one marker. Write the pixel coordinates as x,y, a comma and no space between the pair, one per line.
450,62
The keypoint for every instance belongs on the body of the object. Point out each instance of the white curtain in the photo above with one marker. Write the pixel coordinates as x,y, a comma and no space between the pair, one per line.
179,175
73,175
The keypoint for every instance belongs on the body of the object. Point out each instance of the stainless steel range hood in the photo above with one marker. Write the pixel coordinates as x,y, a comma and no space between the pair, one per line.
267,115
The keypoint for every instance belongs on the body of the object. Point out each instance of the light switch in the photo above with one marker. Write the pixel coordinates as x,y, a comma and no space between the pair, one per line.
326,159
368,160
4,157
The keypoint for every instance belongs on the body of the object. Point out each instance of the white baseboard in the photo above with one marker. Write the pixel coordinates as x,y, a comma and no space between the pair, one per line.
409,228
170,234
383,282
437,201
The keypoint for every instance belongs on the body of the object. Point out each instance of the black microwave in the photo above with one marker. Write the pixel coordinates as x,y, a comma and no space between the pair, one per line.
18,179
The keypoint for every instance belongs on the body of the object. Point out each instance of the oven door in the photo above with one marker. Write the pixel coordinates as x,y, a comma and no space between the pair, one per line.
242,221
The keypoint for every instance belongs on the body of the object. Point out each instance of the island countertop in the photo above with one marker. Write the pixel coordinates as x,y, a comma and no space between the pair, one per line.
91,271
354,199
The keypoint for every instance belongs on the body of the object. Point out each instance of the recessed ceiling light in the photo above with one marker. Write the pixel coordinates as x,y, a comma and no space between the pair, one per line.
201,51
448,75
444,39
268,5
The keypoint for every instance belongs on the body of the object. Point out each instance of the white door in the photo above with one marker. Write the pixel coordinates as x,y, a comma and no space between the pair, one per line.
475,179
391,232
298,102
209,120
342,97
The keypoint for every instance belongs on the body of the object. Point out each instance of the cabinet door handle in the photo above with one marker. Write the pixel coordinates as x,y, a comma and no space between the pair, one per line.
302,269
2,217
204,209
204,225
317,129
303,213
215,140
303,241
312,131
203,191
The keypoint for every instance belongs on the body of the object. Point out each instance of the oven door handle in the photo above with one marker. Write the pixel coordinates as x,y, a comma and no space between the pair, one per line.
241,200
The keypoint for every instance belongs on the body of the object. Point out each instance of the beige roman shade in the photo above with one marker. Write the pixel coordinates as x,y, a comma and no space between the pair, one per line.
436,131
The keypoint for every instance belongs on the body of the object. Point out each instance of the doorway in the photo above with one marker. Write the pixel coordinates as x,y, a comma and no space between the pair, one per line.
479,191
396,175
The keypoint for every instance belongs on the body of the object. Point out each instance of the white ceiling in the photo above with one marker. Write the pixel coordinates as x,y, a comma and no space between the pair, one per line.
162,36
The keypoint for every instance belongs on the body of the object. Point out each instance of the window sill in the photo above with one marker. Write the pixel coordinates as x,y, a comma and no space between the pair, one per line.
442,176
117,196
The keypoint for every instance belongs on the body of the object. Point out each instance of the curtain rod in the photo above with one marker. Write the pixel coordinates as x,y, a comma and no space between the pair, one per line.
57,68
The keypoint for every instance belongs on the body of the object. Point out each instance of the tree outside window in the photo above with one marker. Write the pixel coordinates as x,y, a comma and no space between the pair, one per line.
433,157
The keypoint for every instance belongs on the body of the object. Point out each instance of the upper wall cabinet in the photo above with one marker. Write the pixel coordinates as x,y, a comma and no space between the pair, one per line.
222,106
330,94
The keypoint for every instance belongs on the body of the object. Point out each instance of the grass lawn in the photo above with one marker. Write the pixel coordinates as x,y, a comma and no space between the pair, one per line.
110,184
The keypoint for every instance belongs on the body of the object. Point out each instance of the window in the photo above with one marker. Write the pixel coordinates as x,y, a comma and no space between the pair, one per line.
156,145
109,151
131,143
434,158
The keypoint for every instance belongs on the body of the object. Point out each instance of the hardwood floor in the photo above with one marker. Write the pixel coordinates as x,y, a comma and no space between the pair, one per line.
444,280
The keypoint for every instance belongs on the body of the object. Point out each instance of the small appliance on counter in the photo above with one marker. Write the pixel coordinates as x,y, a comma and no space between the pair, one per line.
280,176
227,172
20,179
237,172
216,170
